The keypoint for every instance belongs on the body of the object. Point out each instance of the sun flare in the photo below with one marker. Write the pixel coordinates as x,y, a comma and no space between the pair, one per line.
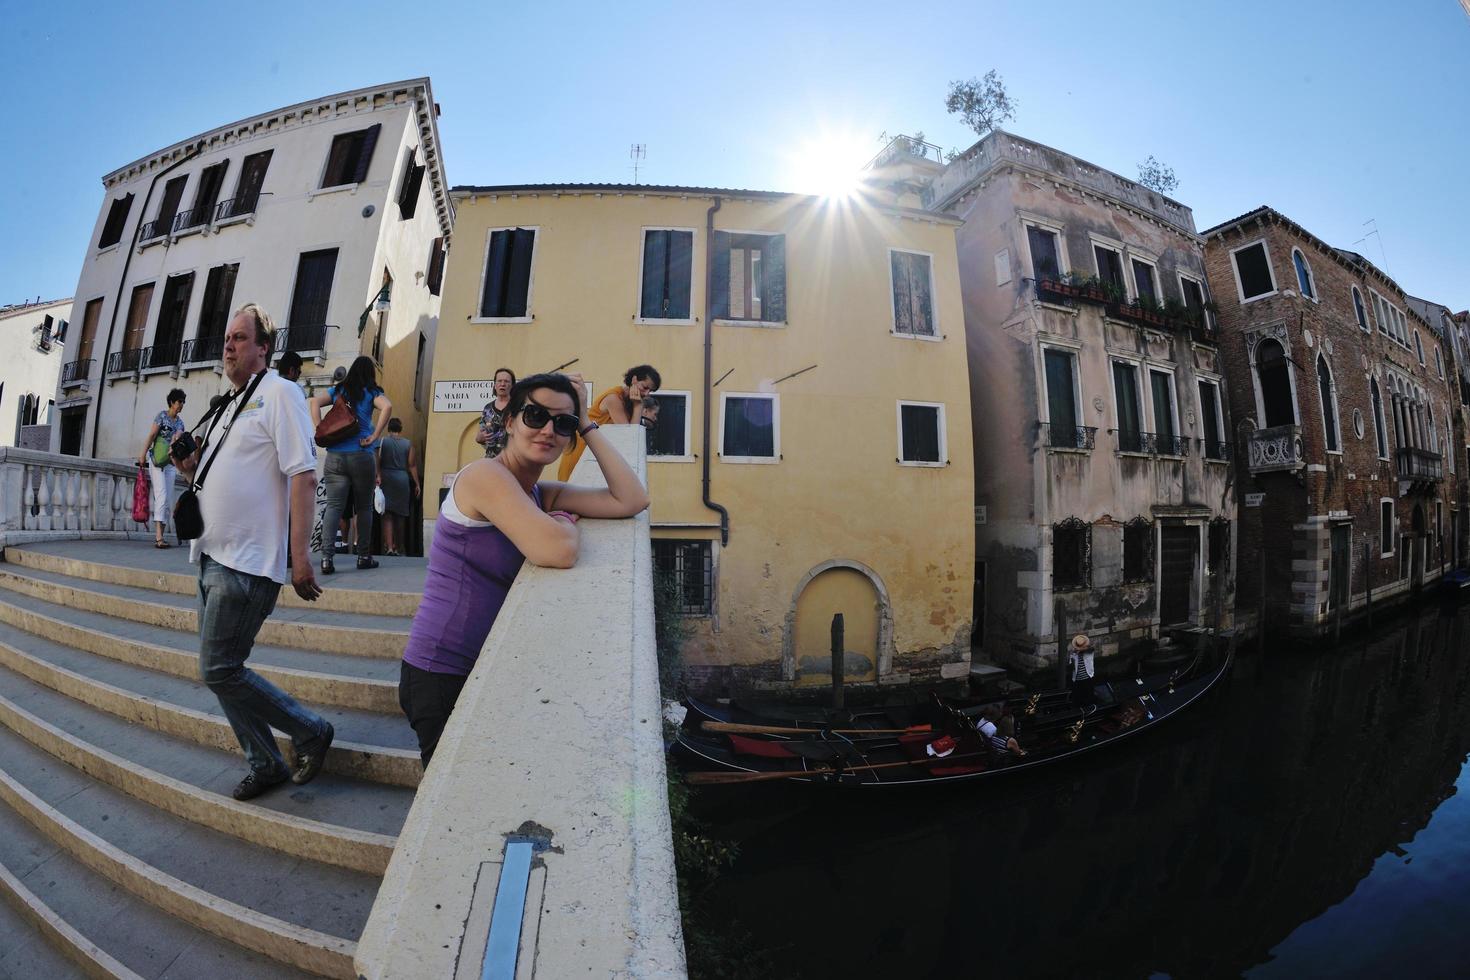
830,164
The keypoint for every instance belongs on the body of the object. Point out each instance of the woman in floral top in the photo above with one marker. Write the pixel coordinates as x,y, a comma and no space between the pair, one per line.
492,419
166,425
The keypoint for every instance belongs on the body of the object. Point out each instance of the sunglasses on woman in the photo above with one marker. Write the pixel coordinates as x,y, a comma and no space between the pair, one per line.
536,416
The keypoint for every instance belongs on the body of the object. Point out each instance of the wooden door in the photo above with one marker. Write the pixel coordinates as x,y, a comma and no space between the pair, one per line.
1179,559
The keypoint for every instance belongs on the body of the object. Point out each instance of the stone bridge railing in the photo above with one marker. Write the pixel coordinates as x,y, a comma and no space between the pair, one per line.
555,740
46,496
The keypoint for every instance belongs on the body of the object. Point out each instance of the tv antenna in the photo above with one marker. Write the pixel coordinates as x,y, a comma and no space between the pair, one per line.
1374,234
638,152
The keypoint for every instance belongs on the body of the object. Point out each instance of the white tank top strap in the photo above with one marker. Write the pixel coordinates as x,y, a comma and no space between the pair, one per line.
450,511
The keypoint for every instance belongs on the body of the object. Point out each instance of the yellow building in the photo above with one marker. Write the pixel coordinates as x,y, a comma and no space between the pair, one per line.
837,440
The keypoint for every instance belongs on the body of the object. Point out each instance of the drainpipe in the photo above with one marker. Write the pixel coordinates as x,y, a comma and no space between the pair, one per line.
117,300
709,326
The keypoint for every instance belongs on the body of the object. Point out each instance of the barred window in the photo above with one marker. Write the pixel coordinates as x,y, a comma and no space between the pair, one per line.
686,570
1071,561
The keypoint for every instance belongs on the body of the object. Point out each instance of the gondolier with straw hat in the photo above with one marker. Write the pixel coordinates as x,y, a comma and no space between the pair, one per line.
1081,670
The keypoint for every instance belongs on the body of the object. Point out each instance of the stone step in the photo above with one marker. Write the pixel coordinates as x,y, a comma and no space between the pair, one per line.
302,914
70,911
369,745
393,589
194,783
319,678
38,941
352,634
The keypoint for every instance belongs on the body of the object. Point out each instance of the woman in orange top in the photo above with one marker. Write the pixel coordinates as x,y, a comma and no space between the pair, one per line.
620,405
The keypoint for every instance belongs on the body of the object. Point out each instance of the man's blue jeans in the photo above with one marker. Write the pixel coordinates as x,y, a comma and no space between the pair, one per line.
232,605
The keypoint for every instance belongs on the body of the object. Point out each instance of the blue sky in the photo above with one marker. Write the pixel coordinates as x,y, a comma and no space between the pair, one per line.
1333,112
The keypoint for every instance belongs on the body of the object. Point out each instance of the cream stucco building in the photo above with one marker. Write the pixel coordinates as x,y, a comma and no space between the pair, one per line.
825,340
309,211
33,336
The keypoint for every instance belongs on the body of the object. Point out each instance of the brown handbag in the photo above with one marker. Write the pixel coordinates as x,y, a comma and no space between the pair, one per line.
338,424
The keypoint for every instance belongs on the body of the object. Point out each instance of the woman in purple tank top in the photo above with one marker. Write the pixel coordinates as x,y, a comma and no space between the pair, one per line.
497,514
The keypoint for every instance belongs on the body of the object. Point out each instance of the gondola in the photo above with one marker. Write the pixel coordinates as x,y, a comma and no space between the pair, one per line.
930,742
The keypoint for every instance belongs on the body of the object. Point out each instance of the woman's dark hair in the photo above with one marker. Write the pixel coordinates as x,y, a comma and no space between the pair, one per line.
395,425
556,382
176,395
361,378
507,371
644,371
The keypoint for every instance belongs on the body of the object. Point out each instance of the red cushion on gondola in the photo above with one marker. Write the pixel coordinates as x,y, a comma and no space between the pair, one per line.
760,747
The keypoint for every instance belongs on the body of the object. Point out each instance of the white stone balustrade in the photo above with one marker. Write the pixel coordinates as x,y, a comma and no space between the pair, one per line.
556,734
47,496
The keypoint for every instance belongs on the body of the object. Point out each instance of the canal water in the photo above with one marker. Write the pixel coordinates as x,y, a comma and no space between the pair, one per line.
1309,819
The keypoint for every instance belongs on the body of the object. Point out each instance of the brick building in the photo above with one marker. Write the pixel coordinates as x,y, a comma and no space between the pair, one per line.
1103,493
1345,423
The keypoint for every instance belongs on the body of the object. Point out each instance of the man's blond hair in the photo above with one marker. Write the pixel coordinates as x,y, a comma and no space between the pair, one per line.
265,327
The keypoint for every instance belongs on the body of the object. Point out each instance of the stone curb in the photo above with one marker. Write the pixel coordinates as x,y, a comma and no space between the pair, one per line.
93,959
366,601
305,949
395,767
353,641
346,692
344,847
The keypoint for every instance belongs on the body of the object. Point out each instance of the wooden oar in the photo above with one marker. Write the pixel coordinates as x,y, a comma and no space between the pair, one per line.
730,726
716,778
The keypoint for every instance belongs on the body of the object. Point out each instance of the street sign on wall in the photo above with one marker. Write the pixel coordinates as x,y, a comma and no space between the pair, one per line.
462,396
1254,499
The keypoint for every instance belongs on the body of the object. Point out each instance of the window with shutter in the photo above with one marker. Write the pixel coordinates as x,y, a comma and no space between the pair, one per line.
748,430
168,207
1211,420
669,436
137,321
214,313
408,189
750,277
1161,385
168,333
1145,281
920,433
312,296
435,276
1045,260
1253,271
117,218
1061,396
913,302
668,267
247,191
1109,267
211,179
1130,415
506,290
90,318
350,156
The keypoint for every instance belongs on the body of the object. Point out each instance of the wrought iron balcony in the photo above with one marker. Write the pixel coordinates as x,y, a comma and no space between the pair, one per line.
1131,441
75,372
126,361
203,350
236,207
302,338
193,218
154,229
1167,445
1060,436
1420,465
1277,448
162,355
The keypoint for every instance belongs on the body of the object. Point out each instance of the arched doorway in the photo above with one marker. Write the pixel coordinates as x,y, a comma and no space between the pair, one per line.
854,591
469,449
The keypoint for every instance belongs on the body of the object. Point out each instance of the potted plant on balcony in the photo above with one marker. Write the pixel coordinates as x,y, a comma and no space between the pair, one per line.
1088,287
1054,286
1177,315
1147,310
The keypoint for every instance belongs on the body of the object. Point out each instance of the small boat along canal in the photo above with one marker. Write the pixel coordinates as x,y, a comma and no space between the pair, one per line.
1304,820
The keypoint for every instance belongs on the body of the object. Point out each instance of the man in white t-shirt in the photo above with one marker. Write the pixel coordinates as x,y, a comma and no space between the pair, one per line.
261,479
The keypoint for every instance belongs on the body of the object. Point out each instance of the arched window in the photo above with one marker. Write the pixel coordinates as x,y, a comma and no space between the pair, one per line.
1303,273
1274,378
1378,428
1359,310
1329,404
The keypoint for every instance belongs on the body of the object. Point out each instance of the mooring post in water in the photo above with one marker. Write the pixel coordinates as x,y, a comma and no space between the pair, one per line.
1261,607
1059,617
837,662
1368,579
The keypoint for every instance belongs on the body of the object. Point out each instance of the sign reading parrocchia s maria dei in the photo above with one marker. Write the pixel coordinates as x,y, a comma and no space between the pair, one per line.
462,396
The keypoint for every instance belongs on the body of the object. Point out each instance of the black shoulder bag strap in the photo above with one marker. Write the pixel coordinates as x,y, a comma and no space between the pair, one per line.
198,482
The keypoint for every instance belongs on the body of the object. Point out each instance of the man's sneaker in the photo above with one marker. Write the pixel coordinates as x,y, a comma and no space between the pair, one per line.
256,783
309,761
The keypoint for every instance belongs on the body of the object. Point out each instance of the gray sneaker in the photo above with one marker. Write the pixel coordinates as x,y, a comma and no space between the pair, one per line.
256,783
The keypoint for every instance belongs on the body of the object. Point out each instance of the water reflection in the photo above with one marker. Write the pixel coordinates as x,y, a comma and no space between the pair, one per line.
1295,796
